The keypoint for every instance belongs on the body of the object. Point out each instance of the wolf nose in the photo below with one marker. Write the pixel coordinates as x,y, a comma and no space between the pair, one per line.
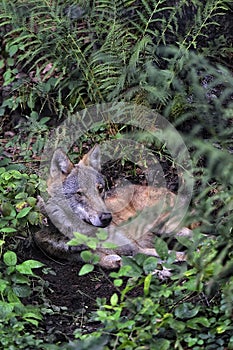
105,218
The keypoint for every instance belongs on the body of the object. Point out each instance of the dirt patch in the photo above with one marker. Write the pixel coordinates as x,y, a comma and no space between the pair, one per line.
70,298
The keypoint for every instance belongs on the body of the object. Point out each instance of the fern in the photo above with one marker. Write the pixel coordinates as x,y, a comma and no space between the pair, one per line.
105,50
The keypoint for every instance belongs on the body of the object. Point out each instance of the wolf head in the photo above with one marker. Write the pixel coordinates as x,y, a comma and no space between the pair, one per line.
81,187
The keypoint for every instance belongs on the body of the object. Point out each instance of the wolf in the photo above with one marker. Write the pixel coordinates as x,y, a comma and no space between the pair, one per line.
78,202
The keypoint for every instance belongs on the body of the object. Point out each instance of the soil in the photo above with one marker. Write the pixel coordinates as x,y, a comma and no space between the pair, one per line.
71,298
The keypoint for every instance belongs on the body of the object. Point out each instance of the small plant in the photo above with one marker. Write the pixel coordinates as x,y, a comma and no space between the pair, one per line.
92,243
18,200
150,314
17,318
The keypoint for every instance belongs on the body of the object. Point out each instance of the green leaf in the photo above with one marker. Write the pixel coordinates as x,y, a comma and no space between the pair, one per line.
23,212
191,284
30,316
8,210
33,217
10,258
186,242
5,309
186,310
33,314
162,344
26,270
21,195
34,263
31,201
92,244
109,245
22,291
3,285
130,267
150,264
222,328
2,64
79,239
27,266
102,235
73,242
19,167
86,255
10,62
178,326
161,248
114,299
194,323
140,258
7,77
89,257
10,270
147,283
12,297
118,282
125,270
44,120
4,160
20,279
7,229
85,269
31,320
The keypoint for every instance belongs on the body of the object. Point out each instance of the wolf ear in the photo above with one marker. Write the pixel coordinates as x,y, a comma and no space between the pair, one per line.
60,164
92,158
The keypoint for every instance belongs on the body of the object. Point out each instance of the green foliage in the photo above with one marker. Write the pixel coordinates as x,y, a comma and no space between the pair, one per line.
18,200
18,210
15,284
92,243
161,315
58,53
57,58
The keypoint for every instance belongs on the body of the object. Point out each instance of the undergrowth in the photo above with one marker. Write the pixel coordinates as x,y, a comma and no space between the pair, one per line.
59,57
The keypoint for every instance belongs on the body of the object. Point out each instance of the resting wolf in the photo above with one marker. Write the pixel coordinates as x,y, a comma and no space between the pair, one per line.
78,203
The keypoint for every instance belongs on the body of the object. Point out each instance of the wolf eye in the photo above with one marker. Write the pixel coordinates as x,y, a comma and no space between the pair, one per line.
100,188
80,192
